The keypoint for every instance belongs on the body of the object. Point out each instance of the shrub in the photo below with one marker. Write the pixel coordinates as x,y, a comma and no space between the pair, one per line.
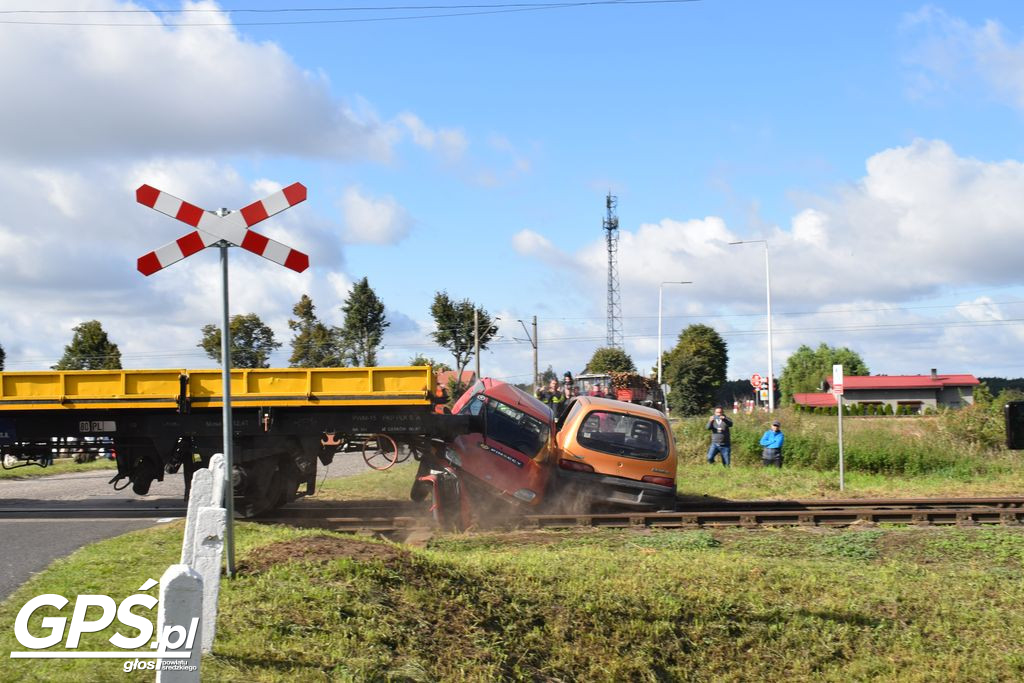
888,409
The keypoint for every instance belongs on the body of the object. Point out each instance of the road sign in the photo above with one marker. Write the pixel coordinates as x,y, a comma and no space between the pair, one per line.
764,394
223,229
212,228
837,380
755,380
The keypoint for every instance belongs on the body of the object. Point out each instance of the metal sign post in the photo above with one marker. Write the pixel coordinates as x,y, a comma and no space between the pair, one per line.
837,391
228,423
223,229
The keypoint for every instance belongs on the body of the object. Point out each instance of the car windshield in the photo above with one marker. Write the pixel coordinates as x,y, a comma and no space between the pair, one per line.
626,435
515,429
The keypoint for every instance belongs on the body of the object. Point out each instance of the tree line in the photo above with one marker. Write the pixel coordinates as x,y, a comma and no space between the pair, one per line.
315,344
694,368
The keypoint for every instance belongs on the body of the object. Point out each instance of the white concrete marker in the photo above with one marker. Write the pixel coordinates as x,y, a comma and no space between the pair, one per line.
209,549
179,626
199,496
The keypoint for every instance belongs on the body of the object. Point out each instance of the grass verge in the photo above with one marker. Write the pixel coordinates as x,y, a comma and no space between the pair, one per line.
804,605
60,466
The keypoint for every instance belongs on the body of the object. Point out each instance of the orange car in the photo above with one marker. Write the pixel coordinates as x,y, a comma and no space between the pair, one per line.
616,453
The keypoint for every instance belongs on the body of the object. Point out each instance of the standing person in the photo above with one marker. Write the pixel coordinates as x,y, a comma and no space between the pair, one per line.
552,397
719,425
568,386
772,442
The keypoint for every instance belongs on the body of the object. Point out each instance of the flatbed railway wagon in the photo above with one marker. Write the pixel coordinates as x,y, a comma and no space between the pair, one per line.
285,421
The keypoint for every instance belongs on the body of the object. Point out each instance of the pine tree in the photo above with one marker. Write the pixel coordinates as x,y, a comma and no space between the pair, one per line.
90,349
364,325
314,345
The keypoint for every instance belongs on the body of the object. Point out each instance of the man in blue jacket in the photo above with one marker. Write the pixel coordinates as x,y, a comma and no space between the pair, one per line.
772,442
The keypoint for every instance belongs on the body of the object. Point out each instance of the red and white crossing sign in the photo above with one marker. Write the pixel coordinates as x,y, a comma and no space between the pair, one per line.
755,381
223,229
212,228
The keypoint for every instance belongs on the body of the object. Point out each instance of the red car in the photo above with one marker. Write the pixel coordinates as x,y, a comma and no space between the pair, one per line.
509,455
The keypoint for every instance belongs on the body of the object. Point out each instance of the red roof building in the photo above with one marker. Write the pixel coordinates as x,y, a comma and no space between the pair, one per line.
915,393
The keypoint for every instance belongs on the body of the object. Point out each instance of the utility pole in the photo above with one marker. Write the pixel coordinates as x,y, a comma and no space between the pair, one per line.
533,342
611,228
476,340
536,379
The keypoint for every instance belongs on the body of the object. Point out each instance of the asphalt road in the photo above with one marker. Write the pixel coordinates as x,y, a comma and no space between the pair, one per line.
29,545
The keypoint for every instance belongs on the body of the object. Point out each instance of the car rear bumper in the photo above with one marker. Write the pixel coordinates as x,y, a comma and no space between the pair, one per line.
606,489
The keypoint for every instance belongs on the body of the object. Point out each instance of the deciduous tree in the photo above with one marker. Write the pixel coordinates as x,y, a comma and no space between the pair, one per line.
420,359
364,325
454,321
695,368
609,359
252,342
314,345
806,368
90,349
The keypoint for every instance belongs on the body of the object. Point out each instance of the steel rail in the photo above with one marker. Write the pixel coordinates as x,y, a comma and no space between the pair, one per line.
917,512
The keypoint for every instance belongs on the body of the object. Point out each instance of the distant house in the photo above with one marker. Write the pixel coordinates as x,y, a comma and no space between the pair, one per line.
468,377
916,393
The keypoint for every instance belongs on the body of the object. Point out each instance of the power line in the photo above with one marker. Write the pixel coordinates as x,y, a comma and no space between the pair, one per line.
475,10
793,313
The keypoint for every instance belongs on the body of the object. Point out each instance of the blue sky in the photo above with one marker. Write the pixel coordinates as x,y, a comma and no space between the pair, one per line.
875,145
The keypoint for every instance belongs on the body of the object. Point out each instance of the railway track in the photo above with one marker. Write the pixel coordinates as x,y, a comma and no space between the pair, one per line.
403,517
398,516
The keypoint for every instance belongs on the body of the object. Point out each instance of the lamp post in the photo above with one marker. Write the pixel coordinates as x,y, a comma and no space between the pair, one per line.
768,289
660,289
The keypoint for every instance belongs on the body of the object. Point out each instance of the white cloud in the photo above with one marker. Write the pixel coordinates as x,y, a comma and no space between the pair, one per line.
94,91
950,52
450,143
922,221
372,220
530,243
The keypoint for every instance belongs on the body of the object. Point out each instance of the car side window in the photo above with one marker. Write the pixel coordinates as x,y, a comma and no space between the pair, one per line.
574,408
474,407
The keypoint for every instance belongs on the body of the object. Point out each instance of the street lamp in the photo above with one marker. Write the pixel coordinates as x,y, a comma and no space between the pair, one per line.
768,287
659,291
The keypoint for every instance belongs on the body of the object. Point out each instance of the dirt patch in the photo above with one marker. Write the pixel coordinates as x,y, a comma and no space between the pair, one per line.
320,549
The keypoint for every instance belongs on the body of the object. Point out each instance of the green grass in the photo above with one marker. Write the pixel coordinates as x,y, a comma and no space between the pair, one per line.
390,484
725,605
59,466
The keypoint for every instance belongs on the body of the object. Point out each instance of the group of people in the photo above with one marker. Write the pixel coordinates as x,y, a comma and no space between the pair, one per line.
556,395
721,444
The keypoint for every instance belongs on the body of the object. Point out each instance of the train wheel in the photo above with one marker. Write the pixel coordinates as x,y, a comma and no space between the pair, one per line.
380,451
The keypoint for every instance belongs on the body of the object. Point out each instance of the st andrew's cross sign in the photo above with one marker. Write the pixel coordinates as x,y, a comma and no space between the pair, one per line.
223,229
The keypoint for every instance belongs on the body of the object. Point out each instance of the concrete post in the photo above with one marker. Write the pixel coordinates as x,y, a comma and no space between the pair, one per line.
179,625
207,555
200,496
217,468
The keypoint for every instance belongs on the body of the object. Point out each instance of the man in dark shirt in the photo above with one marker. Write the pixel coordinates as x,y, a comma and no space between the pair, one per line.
719,425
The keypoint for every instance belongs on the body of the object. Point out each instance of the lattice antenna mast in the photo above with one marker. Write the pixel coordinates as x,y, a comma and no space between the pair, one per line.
611,228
